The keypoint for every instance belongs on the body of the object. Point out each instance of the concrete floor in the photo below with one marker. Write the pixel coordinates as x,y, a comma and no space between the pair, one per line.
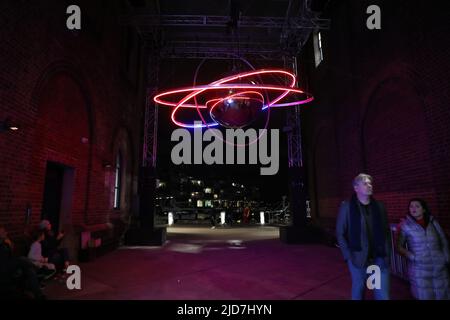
223,263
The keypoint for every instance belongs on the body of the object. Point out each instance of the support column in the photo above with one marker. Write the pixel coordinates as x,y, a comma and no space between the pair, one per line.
300,230
143,230
146,197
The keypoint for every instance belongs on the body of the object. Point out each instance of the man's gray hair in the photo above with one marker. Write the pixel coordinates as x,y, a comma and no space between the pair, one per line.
361,177
44,224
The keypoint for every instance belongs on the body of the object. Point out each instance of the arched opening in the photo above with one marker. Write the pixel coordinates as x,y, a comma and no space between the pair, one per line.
395,144
63,136
118,180
122,173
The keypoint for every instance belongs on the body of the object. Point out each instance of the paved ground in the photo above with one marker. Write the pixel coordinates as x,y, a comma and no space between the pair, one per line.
223,263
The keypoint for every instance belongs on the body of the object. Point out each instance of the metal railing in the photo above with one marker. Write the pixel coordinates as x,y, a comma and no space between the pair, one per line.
399,264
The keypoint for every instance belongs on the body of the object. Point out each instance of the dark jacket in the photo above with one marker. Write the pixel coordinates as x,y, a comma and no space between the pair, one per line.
50,244
5,256
359,258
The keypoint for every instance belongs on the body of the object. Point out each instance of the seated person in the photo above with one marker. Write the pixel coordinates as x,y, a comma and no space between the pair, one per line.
50,247
35,256
17,272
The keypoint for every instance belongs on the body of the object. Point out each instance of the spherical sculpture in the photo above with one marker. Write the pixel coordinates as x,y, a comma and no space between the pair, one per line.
238,110
235,101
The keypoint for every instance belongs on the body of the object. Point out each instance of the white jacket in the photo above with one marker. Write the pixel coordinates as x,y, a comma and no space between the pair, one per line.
35,255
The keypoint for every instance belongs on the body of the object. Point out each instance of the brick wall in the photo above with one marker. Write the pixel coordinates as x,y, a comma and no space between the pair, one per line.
60,87
382,106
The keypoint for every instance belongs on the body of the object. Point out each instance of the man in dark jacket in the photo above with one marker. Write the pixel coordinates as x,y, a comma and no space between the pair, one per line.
50,246
364,238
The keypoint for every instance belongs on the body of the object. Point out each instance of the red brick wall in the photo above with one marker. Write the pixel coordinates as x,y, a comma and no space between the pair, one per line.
382,106
61,86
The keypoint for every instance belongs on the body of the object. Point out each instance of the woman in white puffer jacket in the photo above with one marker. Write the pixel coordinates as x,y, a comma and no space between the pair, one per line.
427,252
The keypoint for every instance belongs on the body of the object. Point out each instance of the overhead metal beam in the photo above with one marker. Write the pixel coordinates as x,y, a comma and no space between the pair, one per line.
221,55
216,49
145,19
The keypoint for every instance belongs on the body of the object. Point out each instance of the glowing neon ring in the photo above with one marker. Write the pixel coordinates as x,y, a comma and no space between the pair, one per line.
224,83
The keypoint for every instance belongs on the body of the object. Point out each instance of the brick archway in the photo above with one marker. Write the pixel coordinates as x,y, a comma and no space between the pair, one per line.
394,140
64,132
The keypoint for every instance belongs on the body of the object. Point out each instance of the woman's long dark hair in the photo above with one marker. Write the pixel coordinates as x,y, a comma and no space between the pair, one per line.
424,205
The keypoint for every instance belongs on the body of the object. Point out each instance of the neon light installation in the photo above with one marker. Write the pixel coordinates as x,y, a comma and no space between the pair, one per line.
235,101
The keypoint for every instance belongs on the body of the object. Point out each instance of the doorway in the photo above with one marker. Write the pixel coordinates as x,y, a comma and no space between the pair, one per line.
57,199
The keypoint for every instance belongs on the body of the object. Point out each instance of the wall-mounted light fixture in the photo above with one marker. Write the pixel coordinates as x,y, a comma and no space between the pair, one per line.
106,164
7,125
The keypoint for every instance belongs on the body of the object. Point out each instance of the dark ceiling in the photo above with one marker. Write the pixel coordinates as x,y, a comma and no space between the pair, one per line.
267,29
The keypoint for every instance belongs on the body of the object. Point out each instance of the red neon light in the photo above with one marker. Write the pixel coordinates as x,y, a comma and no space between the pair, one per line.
195,93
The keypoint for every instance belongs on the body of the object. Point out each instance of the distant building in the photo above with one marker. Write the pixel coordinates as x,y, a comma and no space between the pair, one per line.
199,195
